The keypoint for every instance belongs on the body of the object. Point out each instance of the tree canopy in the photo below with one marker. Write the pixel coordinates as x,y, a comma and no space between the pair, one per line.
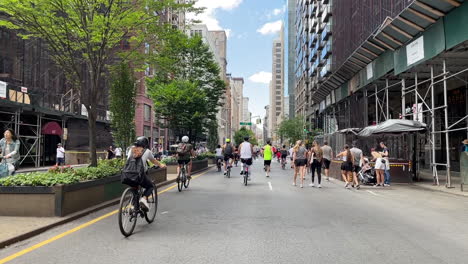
292,129
243,132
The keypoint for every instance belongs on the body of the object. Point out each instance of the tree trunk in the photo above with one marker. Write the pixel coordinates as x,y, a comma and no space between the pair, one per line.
92,135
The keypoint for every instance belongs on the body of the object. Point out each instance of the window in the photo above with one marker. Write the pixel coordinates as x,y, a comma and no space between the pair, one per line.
278,45
147,113
147,131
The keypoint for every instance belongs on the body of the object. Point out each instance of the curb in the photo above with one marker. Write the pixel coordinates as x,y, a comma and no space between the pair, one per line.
76,215
439,191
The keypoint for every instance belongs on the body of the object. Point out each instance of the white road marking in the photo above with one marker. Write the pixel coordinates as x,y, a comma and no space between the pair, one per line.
271,187
371,192
165,212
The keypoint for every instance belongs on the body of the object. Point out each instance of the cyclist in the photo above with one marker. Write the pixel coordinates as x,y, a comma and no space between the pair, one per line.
267,156
246,151
141,149
236,154
219,155
184,153
284,154
228,151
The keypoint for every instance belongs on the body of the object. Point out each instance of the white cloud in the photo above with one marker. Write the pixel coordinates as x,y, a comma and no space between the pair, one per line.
270,28
229,33
208,17
275,12
261,77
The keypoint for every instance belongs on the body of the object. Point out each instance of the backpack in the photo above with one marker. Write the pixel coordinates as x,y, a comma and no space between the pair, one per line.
228,150
133,172
182,149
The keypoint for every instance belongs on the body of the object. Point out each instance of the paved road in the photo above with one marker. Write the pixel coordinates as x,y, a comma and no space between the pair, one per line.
219,220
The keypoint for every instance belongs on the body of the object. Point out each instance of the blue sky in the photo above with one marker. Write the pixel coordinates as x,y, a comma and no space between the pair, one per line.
252,25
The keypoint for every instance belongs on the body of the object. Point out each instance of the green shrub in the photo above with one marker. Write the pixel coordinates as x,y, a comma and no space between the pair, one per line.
169,160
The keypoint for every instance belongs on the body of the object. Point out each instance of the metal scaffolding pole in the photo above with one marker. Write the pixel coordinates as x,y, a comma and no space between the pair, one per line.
376,107
433,151
386,98
416,109
447,141
403,100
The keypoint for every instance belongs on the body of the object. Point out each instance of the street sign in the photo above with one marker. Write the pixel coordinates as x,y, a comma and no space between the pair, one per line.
245,123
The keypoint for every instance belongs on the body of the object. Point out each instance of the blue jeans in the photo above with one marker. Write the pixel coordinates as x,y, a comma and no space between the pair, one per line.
387,177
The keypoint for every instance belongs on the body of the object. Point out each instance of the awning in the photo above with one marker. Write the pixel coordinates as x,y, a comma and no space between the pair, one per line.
52,128
393,126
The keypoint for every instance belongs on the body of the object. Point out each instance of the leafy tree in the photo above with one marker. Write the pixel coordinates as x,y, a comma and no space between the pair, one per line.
83,37
180,57
292,129
213,137
122,105
243,132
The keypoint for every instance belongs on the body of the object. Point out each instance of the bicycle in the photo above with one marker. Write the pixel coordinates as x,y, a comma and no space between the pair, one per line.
218,164
129,209
228,172
182,179
283,163
246,173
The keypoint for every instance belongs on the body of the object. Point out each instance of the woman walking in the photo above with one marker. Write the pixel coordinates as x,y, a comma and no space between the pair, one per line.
300,161
347,165
379,167
9,150
316,155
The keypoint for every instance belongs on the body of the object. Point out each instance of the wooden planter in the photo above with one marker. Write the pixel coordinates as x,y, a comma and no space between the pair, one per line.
62,200
197,165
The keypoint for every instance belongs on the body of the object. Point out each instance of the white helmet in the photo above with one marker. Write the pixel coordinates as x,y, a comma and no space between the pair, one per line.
185,139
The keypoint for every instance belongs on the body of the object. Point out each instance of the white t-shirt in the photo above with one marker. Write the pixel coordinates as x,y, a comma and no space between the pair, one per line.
118,152
60,152
291,152
219,152
246,150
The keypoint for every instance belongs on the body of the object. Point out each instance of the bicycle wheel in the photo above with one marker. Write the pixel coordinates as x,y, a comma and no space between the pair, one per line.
150,215
246,177
186,181
228,173
127,214
180,179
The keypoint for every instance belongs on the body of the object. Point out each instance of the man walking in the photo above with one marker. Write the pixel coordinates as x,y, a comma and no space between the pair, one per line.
358,161
267,156
60,155
385,156
327,157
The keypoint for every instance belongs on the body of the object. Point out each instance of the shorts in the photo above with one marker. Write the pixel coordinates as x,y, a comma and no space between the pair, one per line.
228,156
247,161
61,161
347,166
326,163
380,164
284,156
266,162
300,162
356,168
183,162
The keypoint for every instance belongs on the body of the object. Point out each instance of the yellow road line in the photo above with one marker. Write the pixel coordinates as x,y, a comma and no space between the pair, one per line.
73,230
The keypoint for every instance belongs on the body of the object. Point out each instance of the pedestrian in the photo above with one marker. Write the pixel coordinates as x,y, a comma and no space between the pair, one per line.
316,157
385,156
465,146
347,165
300,161
110,153
118,152
379,167
9,152
60,155
267,157
327,157
291,152
358,161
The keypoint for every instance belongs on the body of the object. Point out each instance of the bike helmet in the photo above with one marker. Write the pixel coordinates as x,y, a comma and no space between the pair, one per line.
142,142
185,139
246,138
228,140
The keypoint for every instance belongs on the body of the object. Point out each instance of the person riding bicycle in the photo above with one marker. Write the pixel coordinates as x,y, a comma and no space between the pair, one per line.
219,154
141,149
284,154
228,150
246,151
185,153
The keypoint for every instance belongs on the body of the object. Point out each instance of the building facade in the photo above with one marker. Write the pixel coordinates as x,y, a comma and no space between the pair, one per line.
291,56
277,83
237,104
245,110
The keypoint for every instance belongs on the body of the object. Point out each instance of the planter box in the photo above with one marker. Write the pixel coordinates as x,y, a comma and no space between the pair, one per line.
196,166
62,200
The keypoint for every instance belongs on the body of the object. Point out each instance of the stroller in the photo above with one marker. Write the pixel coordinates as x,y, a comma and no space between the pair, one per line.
367,174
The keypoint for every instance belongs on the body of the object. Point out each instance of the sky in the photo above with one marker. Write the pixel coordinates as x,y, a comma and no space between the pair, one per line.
251,26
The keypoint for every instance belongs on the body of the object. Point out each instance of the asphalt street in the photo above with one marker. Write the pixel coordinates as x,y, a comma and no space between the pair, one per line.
219,220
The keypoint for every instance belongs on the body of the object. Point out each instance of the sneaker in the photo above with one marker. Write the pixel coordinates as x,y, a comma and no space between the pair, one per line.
225,172
320,186
248,178
294,184
358,187
377,185
268,176
242,173
312,185
386,185
302,186
189,177
328,179
144,204
346,185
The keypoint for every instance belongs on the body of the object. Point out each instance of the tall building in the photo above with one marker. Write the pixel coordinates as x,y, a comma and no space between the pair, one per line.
277,82
286,110
266,124
217,41
245,110
237,87
376,61
291,56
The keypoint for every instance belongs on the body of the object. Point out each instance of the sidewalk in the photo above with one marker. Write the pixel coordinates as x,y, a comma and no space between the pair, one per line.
426,182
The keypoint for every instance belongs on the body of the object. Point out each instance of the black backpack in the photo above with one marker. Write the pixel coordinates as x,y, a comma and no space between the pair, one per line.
133,172
228,150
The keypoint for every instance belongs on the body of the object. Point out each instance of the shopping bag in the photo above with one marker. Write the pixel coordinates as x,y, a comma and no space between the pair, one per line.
4,170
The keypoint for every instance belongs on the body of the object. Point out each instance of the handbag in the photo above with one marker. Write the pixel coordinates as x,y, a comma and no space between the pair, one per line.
4,170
